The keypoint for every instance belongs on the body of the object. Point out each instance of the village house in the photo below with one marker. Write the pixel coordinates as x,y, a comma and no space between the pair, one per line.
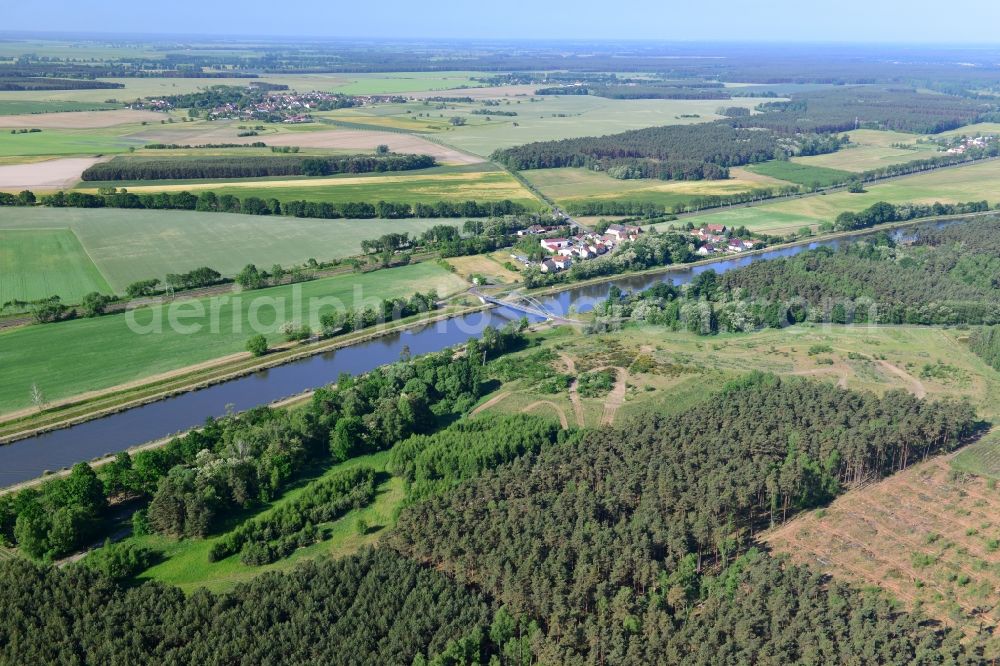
622,232
706,250
554,244
562,261
548,266
533,230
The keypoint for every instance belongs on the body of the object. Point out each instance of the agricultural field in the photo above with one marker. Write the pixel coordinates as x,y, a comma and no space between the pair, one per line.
871,149
130,245
563,117
18,107
975,129
491,266
973,182
92,354
668,370
569,186
45,174
38,263
800,174
355,140
80,119
928,536
185,562
66,142
454,184
349,84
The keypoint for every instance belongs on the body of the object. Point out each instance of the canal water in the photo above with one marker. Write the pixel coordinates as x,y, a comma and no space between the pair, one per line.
29,458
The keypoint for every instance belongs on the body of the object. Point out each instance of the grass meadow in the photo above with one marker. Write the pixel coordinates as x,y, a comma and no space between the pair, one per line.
91,354
966,183
871,149
36,263
130,245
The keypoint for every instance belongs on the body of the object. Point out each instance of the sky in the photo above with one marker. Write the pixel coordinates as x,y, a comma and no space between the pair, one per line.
873,21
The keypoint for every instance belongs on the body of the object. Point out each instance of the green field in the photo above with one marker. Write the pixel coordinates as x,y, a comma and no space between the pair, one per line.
966,183
569,186
428,186
186,564
801,174
15,107
66,142
129,245
90,354
39,263
872,149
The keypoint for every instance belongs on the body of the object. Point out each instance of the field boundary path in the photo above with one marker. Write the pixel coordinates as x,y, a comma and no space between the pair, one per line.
490,403
563,421
574,394
616,398
916,386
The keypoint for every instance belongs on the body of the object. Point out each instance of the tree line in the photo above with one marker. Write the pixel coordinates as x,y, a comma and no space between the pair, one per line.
985,343
227,203
224,166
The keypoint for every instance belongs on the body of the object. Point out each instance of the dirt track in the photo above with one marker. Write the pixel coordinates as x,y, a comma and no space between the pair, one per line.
47,175
79,119
616,398
563,421
368,140
916,386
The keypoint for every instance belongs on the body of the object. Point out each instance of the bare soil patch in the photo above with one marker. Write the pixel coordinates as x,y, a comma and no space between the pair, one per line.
48,175
79,119
926,535
616,398
368,140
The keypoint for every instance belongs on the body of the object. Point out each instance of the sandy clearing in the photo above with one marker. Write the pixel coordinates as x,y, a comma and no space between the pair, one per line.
79,119
616,398
574,394
368,140
916,386
835,371
47,175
